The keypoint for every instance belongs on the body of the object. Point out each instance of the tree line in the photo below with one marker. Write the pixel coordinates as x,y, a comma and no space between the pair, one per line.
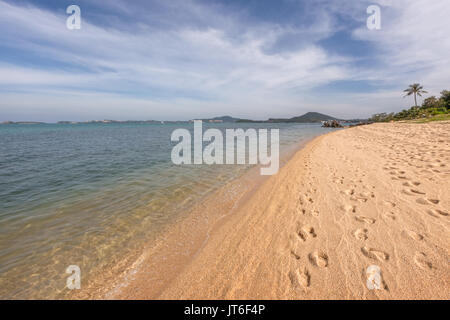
430,107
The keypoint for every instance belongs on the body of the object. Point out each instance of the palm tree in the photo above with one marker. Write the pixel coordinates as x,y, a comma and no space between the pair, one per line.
415,89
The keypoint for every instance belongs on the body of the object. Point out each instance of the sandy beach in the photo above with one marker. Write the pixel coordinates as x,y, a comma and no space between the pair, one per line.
225,150
369,195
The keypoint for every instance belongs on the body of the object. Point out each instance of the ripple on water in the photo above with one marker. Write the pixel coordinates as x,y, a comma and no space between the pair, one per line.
92,194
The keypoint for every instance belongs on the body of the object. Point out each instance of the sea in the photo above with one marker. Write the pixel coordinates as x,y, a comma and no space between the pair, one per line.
91,194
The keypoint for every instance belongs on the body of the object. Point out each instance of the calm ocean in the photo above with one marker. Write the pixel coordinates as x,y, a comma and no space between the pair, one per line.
89,194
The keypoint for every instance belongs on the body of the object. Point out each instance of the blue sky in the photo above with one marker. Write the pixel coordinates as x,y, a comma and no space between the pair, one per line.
184,59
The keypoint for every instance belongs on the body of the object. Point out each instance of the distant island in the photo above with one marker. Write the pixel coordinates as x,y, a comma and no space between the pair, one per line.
21,122
309,117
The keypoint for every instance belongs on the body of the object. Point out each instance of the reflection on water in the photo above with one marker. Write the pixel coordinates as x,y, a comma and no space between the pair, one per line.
91,194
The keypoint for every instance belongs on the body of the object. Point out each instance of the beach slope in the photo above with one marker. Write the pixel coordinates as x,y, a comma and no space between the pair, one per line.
376,195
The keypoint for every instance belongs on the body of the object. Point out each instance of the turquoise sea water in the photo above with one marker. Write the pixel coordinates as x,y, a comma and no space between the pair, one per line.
88,194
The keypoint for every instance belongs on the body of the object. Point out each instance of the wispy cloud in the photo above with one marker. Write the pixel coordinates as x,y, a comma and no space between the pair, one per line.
414,40
183,59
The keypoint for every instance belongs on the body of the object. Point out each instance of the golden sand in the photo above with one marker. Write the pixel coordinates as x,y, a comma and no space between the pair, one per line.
370,195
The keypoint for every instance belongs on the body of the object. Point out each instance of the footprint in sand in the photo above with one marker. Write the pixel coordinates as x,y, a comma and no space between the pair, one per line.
432,213
310,231
367,195
422,201
318,259
414,235
349,192
301,235
374,254
358,198
410,184
301,200
412,192
296,256
421,260
427,201
389,204
436,213
305,232
365,219
313,212
390,215
442,213
349,208
361,234
300,277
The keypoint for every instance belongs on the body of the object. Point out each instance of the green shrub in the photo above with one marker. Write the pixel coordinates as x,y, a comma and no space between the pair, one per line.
431,106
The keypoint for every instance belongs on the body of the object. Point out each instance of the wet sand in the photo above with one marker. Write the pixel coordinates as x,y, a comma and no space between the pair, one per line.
370,195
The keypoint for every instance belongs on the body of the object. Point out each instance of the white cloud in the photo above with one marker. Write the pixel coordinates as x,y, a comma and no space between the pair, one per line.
414,42
202,62
214,66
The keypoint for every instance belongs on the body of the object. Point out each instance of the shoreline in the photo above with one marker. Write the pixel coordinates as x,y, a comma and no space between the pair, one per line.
371,195
193,228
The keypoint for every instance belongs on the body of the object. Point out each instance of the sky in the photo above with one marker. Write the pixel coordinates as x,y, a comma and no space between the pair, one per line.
186,59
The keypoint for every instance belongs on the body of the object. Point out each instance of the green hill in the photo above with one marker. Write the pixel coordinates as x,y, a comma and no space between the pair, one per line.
307,117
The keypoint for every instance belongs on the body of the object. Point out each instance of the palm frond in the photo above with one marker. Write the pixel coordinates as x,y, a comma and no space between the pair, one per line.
414,88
